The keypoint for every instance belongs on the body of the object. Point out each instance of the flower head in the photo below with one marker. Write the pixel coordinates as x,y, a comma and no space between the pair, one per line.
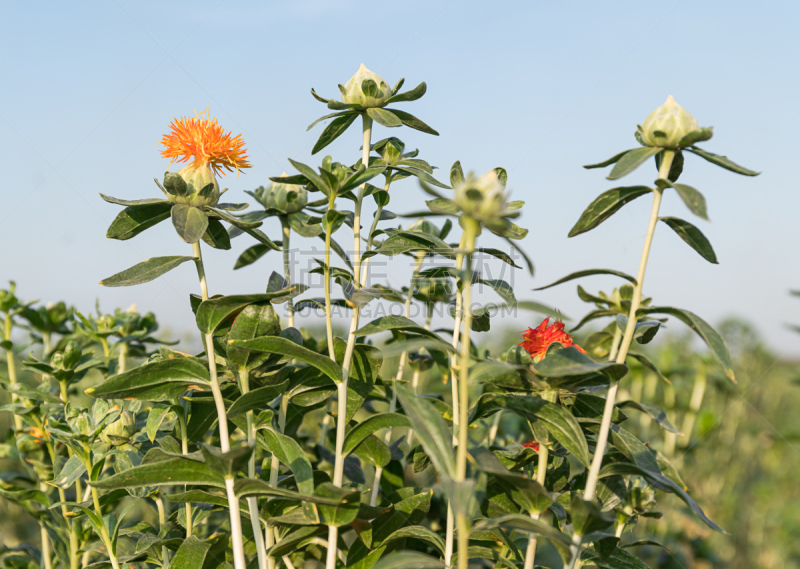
667,125
531,444
366,88
482,198
537,340
208,144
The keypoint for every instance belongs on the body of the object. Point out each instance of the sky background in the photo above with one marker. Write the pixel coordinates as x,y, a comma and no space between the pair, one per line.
539,88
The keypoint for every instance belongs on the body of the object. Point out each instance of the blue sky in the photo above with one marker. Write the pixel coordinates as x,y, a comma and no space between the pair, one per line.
539,88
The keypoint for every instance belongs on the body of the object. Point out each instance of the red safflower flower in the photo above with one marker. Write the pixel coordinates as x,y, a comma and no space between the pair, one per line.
531,444
537,340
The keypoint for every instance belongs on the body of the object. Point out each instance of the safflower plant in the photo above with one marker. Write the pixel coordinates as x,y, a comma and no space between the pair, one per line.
384,448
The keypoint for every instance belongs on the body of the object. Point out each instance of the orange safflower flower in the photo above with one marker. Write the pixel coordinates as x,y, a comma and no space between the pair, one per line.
202,139
531,444
537,340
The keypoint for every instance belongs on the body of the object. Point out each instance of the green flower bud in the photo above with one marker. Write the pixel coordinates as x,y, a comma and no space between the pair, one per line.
120,431
287,198
201,186
72,354
482,198
7,298
366,88
390,149
105,323
667,125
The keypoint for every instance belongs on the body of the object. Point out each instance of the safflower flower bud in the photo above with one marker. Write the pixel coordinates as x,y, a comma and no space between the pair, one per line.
482,198
287,198
120,431
366,88
667,125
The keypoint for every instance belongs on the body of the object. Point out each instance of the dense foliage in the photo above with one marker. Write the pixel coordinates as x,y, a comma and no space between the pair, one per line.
276,446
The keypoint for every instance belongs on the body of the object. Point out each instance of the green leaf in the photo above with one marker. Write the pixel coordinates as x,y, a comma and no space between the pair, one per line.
290,541
196,553
169,472
158,381
383,117
395,323
693,236
147,201
631,160
418,532
154,420
613,160
661,482
69,473
217,236
411,95
215,311
572,363
588,272
644,331
606,205
145,271
347,509
278,345
251,255
409,560
693,199
290,453
190,222
722,161
134,219
525,524
435,437
618,559
256,399
524,491
413,122
254,321
360,432
703,329
333,131
560,422
658,414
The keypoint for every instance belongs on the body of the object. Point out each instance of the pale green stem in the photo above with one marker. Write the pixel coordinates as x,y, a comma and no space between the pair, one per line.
541,474
698,392
287,269
162,520
450,528
273,480
106,347
471,229
45,537
605,425
375,220
12,372
416,376
103,532
224,438
252,502
376,484
185,451
328,316
494,428
338,468
669,405
71,527
122,360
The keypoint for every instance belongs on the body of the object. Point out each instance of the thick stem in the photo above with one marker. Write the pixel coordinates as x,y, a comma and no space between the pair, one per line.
376,484
341,420
185,451
698,392
605,425
224,438
471,229
287,269
162,520
450,532
252,502
46,556
327,277
12,371
103,533
236,525
122,360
